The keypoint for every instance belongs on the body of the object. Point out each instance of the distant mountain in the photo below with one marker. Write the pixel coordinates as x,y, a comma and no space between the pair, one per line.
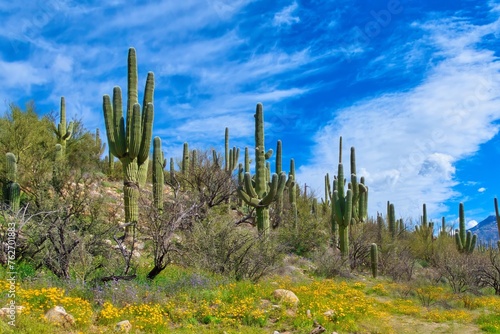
486,230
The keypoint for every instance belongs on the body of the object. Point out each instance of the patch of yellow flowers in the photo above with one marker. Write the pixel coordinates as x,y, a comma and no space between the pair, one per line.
141,316
36,302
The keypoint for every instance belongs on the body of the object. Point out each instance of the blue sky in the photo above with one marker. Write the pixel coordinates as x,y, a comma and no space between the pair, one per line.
413,85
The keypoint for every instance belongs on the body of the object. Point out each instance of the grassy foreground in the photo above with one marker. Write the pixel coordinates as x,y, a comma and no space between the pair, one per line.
183,301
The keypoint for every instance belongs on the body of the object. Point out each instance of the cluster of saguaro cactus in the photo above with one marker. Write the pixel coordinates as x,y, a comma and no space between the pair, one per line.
130,139
262,190
465,241
159,164
11,189
63,131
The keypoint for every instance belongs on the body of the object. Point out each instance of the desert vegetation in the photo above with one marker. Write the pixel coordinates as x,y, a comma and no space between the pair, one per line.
211,244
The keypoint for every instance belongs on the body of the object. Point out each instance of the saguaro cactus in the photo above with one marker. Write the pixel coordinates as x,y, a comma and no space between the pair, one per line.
426,228
100,146
391,219
11,190
443,232
342,207
359,192
231,156
159,164
292,193
261,191
130,140
465,241
185,159
63,131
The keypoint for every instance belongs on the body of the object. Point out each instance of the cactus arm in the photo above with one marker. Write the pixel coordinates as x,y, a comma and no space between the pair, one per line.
109,124
279,154
147,134
249,188
149,90
255,202
135,132
271,194
132,91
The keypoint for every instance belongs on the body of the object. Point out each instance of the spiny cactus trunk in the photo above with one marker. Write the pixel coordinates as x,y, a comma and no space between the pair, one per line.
131,189
344,240
262,215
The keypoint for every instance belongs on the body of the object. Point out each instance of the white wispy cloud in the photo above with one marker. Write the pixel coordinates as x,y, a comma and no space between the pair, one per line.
407,143
286,15
481,190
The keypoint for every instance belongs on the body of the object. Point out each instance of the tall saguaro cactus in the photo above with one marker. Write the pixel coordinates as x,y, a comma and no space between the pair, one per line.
185,159
159,164
130,139
465,241
341,207
292,193
63,131
11,190
261,191
391,219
